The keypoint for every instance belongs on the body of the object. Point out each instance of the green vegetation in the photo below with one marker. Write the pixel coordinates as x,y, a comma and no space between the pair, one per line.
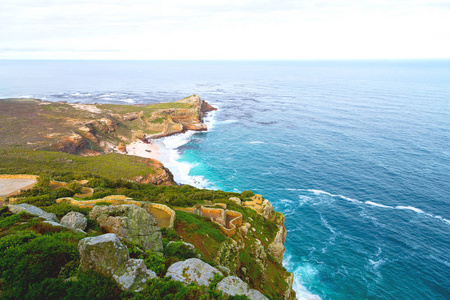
158,121
20,160
24,234
247,194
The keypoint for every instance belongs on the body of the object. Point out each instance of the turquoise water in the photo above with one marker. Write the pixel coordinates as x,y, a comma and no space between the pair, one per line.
355,154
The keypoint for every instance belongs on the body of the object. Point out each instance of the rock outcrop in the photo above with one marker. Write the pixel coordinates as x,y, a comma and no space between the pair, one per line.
233,286
104,254
192,270
32,210
70,144
132,275
130,222
108,256
74,220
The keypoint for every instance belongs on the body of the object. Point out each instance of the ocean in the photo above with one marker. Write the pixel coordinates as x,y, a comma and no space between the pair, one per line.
356,154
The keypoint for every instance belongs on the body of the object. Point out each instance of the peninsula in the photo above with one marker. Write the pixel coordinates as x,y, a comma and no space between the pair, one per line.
90,218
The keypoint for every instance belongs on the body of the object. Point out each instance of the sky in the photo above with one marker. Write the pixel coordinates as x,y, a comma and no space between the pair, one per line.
224,29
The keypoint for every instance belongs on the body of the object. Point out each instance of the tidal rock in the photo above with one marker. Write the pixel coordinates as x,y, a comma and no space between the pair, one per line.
104,254
233,286
74,220
131,222
192,270
32,210
132,275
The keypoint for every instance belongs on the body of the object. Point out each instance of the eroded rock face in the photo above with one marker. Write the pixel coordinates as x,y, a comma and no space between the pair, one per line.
192,270
276,248
233,286
132,275
70,144
74,220
131,222
32,210
104,254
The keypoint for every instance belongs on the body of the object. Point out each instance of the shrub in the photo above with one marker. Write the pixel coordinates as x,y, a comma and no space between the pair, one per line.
75,187
62,192
61,209
41,257
180,250
247,194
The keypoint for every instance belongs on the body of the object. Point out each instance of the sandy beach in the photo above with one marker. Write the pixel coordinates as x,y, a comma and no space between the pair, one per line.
142,149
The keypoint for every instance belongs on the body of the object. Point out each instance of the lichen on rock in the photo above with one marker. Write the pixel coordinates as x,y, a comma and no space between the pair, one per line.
192,270
132,275
130,222
104,253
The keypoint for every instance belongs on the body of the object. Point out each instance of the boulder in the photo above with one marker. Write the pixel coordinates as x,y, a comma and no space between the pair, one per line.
235,200
132,275
32,210
56,224
192,270
104,254
233,286
74,220
131,222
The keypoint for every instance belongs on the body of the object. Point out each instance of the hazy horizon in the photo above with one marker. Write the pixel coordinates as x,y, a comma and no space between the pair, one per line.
224,30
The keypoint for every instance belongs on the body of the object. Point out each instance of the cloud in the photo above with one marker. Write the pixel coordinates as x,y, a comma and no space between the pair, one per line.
201,29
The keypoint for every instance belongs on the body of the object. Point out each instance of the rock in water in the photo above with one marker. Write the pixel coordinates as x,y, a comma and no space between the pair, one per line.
74,220
233,286
104,253
192,270
32,210
131,222
132,275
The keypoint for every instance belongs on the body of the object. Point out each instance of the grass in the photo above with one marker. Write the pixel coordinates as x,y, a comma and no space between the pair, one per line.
201,232
20,160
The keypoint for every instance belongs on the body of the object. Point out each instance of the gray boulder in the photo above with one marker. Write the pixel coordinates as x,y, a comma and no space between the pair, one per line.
104,254
131,222
192,270
32,210
132,275
235,200
233,286
74,220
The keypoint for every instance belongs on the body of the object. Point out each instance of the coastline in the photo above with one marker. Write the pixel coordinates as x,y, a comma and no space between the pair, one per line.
146,150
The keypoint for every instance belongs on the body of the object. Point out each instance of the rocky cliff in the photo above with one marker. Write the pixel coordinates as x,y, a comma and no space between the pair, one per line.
95,129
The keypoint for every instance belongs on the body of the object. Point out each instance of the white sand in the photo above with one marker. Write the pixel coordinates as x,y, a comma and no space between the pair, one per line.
141,149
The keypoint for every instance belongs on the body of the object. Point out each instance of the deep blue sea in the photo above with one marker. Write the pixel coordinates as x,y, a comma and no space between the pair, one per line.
356,154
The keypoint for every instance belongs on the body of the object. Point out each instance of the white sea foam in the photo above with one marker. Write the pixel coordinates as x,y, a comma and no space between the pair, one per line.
170,156
256,142
417,210
305,271
25,96
80,94
131,101
319,192
377,204
209,120
229,121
